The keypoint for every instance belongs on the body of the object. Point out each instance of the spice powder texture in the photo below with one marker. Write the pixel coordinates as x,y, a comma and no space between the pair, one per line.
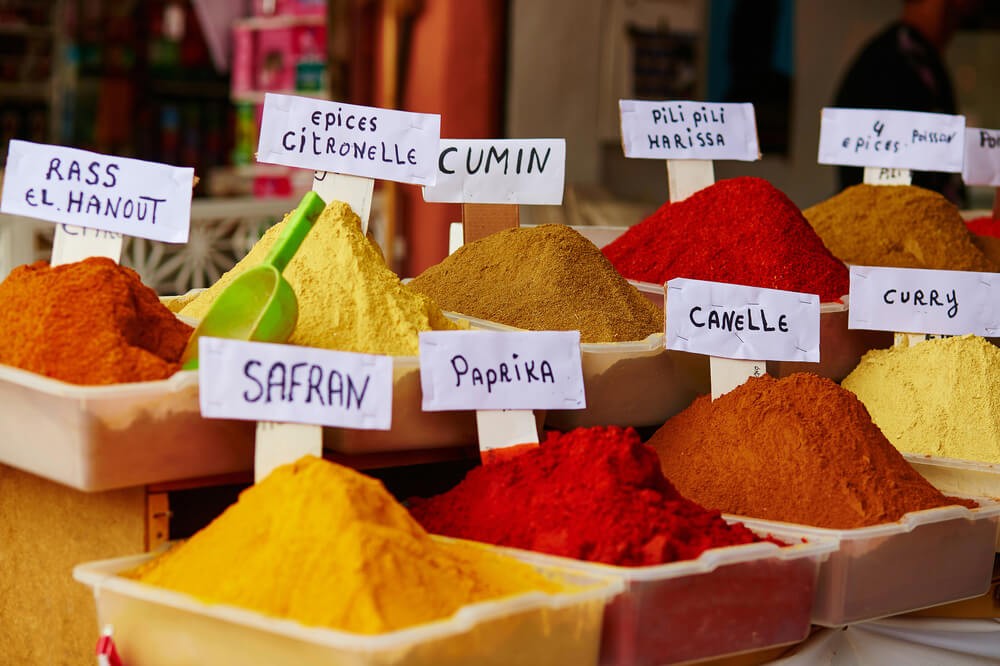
90,322
901,226
799,449
592,494
349,299
741,231
327,546
542,278
940,397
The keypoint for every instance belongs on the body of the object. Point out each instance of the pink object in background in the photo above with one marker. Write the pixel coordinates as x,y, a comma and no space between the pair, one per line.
285,7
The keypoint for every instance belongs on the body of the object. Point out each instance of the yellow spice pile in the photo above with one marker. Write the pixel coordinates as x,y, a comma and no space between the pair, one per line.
940,397
349,299
326,546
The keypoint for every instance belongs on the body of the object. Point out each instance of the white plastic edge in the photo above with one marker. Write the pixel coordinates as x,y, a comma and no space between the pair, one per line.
824,308
952,463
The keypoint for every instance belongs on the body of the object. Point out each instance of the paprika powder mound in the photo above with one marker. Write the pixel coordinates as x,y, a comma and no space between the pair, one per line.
902,226
799,449
89,322
593,494
741,231
546,278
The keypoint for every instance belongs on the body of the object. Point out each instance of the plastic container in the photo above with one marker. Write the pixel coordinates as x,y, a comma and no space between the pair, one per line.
958,477
926,558
102,437
157,627
840,348
626,383
728,601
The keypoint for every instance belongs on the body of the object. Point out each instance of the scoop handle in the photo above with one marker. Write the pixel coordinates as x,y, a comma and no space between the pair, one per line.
296,228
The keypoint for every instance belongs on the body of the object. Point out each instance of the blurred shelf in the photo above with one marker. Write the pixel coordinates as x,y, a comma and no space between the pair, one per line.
35,91
284,21
257,96
202,89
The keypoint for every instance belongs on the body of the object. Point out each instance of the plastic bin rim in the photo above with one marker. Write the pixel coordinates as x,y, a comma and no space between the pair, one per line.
941,461
710,560
988,509
57,387
824,307
103,574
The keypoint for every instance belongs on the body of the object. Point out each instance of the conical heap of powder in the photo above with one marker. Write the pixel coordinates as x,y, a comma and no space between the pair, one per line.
940,397
542,278
896,225
799,449
89,322
742,231
327,546
593,494
349,299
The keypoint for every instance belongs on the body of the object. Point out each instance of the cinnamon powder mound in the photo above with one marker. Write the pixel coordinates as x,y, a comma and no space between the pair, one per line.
799,449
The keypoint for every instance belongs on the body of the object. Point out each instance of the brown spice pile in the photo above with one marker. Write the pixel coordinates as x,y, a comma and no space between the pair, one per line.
90,322
799,449
542,278
896,225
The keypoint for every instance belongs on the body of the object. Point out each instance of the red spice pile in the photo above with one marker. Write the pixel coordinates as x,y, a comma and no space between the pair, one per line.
984,226
593,494
741,231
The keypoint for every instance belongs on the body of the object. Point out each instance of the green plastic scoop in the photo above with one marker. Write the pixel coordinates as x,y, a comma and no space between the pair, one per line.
259,305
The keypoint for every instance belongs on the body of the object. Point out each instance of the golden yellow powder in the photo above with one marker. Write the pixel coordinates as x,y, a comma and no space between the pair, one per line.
940,397
349,299
327,546
896,225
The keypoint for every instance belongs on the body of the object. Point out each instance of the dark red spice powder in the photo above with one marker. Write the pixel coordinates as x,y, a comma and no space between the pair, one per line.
742,231
984,226
593,494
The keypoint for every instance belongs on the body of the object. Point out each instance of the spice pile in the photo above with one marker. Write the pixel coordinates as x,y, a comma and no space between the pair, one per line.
903,226
349,299
741,231
547,278
940,397
799,449
90,322
593,494
327,546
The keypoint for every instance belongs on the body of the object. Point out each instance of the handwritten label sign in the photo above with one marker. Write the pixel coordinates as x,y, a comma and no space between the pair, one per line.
924,301
735,321
501,370
982,157
500,171
349,139
901,139
114,194
688,130
257,381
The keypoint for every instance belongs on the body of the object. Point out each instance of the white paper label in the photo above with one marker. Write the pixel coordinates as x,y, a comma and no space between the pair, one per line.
728,373
346,138
887,176
280,444
982,157
257,381
916,300
71,243
501,429
688,130
735,321
492,370
500,171
78,187
881,138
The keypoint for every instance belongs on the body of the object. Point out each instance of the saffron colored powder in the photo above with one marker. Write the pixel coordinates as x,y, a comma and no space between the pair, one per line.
742,231
592,494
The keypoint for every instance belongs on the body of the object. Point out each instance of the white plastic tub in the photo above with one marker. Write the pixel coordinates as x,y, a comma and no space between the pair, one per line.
958,477
925,559
157,627
626,383
728,601
840,348
102,437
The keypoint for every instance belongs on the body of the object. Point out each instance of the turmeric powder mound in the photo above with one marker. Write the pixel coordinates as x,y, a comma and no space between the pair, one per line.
327,546
349,299
903,226
89,322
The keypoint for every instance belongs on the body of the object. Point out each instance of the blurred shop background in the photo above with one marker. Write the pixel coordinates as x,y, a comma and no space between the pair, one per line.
182,81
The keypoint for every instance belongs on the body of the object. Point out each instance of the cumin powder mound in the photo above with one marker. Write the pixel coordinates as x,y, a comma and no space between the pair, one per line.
903,226
542,278
799,449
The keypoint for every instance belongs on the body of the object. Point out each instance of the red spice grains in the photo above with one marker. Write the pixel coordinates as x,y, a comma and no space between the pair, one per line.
741,231
593,494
